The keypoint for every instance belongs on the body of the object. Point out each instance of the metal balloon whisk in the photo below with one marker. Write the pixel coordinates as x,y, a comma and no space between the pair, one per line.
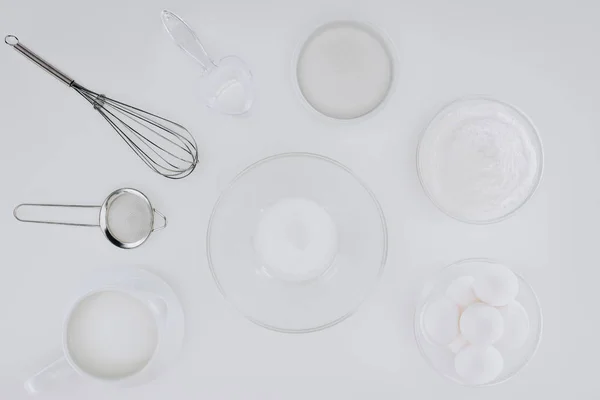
166,147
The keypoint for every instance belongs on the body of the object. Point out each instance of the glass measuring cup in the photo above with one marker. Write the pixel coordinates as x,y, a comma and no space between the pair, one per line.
126,217
229,88
84,361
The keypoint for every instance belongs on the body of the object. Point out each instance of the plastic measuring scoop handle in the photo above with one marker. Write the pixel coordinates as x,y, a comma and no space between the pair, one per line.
186,38
55,373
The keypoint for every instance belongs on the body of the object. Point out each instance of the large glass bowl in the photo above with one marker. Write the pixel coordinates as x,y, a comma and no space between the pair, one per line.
268,299
441,358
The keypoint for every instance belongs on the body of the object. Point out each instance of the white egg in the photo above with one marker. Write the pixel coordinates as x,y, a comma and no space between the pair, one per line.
478,365
481,324
516,326
457,344
461,292
440,321
496,285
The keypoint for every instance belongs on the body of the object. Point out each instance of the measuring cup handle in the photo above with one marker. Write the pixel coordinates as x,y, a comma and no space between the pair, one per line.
164,224
59,370
148,293
50,206
186,38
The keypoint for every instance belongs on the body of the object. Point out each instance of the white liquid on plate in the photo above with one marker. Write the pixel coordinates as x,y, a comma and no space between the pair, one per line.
112,335
296,239
344,70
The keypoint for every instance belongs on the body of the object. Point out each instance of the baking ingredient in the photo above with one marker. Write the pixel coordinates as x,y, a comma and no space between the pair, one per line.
496,285
481,324
129,218
457,344
516,326
440,321
112,335
296,239
344,70
478,365
461,291
479,160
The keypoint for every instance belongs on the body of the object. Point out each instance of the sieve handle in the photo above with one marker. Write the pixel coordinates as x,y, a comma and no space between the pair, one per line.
164,224
20,207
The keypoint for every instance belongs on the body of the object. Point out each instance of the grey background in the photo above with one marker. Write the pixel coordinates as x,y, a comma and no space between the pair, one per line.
541,56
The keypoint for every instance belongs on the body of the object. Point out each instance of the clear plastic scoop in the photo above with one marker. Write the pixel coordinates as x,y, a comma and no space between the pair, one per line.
229,88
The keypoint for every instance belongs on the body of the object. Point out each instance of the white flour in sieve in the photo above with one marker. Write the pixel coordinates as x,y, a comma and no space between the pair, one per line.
480,160
129,218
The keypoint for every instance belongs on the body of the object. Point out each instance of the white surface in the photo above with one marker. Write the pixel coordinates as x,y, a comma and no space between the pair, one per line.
541,56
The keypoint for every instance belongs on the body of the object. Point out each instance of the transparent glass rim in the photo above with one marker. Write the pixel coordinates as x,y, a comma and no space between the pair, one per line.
358,180
539,174
419,312
379,33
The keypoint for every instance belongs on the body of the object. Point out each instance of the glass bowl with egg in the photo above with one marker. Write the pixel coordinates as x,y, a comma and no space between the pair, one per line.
477,322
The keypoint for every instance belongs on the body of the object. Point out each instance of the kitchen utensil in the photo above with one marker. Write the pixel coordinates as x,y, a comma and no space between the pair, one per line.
141,286
126,217
229,85
166,147
296,242
442,358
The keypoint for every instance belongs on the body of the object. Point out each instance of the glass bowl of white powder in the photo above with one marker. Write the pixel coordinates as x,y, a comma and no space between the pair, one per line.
480,160
296,242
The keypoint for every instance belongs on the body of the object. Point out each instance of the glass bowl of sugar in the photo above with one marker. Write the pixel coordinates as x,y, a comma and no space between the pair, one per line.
480,160
345,70
296,242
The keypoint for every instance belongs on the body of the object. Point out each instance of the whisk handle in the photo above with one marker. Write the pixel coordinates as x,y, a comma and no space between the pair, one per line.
13,41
